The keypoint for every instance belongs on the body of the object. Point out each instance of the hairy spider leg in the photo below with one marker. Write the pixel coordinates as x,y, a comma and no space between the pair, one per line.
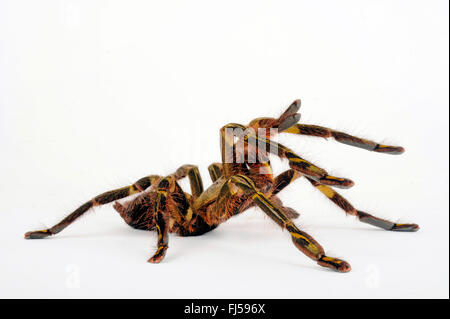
304,242
299,164
319,131
295,161
287,177
102,199
362,216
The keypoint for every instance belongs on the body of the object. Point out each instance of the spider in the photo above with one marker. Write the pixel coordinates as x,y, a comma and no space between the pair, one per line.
242,180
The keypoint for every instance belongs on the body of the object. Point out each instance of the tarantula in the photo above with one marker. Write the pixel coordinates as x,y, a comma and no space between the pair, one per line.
243,179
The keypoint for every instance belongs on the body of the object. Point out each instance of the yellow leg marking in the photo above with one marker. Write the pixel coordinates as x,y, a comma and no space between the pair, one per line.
189,214
334,260
159,232
259,194
262,197
159,249
288,224
309,167
327,191
335,178
133,190
297,160
311,247
293,129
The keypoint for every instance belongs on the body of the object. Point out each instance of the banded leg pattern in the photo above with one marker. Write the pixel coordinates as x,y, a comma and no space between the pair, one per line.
102,199
301,165
344,138
303,241
345,205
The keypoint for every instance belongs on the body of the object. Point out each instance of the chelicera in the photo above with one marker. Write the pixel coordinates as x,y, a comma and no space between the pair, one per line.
243,179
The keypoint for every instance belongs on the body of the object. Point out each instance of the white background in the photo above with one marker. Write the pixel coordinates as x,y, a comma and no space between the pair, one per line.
96,94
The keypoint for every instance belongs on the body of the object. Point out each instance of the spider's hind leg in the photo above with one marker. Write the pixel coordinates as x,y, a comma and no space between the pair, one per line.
102,199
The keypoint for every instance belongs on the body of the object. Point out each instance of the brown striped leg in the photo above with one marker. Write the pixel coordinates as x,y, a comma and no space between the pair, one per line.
301,165
215,171
362,216
315,130
304,242
102,199
315,172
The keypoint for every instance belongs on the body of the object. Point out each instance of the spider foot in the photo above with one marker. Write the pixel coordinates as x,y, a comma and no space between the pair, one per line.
387,149
159,255
406,227
38,234
334,263
385,224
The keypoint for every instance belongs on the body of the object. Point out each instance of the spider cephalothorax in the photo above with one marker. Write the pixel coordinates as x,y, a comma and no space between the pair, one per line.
243,179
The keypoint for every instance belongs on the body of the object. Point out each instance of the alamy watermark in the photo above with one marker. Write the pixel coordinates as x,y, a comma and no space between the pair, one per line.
249,145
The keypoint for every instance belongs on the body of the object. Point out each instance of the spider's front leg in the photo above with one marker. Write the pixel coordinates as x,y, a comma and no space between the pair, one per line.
299,164
296,162
304,242
344,138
